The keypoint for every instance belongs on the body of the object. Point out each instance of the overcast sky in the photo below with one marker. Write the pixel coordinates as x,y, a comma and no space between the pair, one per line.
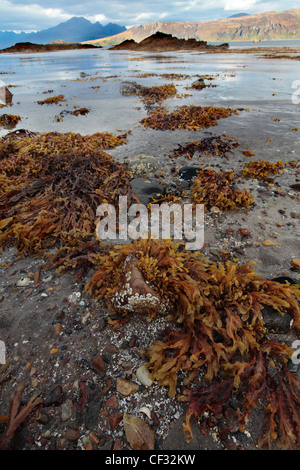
26,15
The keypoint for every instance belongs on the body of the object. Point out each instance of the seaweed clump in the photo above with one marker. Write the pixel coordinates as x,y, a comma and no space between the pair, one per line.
262,170
9,121
220,346
217,189
52,100
51,186
191,118
157,94
208,146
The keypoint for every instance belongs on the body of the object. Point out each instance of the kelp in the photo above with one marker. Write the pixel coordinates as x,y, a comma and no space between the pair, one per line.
157,94
218,189
214,145
52,100
221,339
191,118
9,120
262,170
52,185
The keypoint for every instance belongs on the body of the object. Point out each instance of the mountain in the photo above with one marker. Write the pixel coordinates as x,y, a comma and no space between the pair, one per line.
238,15
77,29
270,25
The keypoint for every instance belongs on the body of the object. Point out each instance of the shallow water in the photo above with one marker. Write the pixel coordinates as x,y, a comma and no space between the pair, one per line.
263,86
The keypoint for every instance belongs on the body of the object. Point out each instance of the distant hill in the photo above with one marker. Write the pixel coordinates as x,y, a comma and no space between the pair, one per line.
270,25
77,29
238,15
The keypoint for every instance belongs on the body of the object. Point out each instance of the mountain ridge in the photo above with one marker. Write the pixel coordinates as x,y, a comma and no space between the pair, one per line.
270,25
76,29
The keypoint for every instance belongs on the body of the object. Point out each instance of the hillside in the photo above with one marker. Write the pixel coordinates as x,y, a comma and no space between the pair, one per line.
261,26
77,29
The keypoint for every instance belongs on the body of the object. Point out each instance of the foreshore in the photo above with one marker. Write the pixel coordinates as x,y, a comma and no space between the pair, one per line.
69,347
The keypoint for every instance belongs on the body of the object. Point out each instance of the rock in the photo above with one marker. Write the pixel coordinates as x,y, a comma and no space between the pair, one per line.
92,414
144,376
276,322
66,410
98,363
142,164
128,88
112,403
146,189
55,397
138,433
72,435
244,232
114,420
126,387
269,243
296,262
198,83
187,173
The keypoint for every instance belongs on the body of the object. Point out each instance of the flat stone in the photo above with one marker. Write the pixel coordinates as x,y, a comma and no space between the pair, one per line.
142,164
146,189
126,387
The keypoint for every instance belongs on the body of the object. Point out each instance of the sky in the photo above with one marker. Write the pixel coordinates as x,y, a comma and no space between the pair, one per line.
26,15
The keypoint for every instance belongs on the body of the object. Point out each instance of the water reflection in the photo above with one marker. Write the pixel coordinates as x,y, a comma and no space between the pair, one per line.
92,79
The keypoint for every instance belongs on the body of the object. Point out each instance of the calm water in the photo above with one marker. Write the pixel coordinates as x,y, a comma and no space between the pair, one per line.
92,79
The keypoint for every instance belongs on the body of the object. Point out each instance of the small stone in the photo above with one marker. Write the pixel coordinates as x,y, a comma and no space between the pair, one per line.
117,444
296,262
114,420
126,387
269,243
72,435
244,232
53,351
98,363
66,410
112,403
58,328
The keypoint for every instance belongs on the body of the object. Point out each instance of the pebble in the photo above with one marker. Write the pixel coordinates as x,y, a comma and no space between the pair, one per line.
98,363
126,387
72,435
67,410
296,262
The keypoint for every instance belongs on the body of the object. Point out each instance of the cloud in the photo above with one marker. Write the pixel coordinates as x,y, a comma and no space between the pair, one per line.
29,15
